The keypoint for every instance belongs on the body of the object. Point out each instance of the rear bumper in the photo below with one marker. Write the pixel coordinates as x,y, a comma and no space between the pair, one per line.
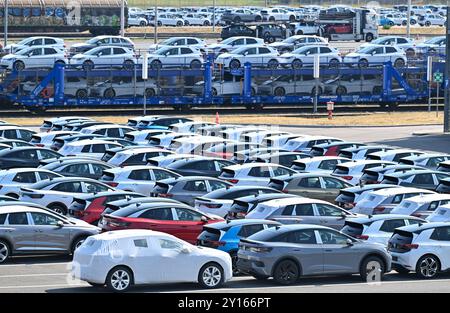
252,266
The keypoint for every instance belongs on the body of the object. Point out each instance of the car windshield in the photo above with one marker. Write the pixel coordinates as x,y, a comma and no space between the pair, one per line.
301,50
161,51
365,50
23,52
434,40
228,40
92,40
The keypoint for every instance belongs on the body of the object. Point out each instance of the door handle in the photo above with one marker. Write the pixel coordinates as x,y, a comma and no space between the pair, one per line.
297,250
328,250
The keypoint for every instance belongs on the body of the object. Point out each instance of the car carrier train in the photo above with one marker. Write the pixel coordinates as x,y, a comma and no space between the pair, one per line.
99,17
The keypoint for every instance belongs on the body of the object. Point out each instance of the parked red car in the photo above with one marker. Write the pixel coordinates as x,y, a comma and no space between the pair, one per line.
90,206
333,149
179,220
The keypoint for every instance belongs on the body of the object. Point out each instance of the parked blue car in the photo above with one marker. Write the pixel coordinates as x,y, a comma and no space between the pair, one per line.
225,236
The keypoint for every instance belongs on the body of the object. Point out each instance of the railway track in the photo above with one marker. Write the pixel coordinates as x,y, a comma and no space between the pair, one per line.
301,110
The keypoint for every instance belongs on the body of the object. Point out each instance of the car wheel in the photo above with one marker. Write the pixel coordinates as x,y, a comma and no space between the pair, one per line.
271,19
269,39
119,279
159,23
292,18
427,23
369,37
286,272
428,267
258,18
109,93
363,63
299,32
211,276
279,92
213,92
88,65
19,65
372,269
206,23
58,208
156,64
341,90
186,23
195,64
5,251
410,53
150,92
399,63
180,23
391,23
334,63
142,24
237,19
235,64
272,64
297,64
128,65
81,94
77,243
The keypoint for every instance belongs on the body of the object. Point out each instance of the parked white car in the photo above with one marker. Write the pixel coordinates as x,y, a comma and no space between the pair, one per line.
136,20
58,193
232,43
142,137
192,42
441,214
196,19
35,41
376,55
378,228
393,155
384,200
304,56
291,85
109,130
353,170
173,260
167,20
253,174
12,180
46,139
125,86
104,57
305,143
432,45
94,148
136,156
421,206
277,15
432,19
257,55
319,165
137,178
423,249
165,140
174,57
407,44
34,57
297,41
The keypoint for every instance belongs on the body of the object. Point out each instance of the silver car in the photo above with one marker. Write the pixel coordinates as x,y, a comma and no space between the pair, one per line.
288,252
31,230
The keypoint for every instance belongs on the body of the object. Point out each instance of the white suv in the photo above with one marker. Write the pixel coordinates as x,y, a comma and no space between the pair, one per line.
174,57
376,55
102,57
422,248
258,55
34,57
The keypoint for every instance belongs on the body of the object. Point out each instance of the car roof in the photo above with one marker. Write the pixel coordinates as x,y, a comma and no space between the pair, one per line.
289,201
237,167
394,191
91,142
129,234
424,226
379,217
240,222
20,208
361,162
413,172
321,158
429,197
395,151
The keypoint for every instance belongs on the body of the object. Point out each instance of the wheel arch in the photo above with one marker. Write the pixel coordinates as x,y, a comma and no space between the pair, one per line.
288,258
377,255
124,266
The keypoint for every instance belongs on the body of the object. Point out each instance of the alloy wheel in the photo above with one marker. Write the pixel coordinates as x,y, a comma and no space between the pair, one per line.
428,267
4,252
120,280
211,276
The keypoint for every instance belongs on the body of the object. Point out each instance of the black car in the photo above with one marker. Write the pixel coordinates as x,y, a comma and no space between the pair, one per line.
78,126
210,167
237,30
243,205
15,143
240,15
271,32
78,167
25,157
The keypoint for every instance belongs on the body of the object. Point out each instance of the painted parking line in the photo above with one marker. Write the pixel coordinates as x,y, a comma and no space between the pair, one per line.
33,264
43,286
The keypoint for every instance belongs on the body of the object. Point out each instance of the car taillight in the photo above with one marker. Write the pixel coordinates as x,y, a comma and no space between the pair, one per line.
35,195
379,209
411,246
285,190
118,224
347,177
233,181
216,243
39,145
78,213
166,195
212,206
362,237
112,184
260,249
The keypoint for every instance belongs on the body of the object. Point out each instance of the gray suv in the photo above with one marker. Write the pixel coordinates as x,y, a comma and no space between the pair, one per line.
288,252
31,230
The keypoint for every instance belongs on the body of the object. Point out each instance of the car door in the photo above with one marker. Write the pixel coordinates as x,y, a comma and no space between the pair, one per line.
36,58
330,216
191,190
189,224
325,55
251,55
118,56
331,186
378,55
49,235
103,57
139,180
18,229
22,158
172,57
174,264
338,256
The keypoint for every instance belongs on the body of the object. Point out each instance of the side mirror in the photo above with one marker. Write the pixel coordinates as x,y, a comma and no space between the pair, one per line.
204,219
59,224
349,242
343,215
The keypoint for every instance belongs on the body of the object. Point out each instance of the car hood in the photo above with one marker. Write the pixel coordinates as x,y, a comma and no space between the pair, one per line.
354,55
82,45
10,56
287,55
81,223
217,46
278,44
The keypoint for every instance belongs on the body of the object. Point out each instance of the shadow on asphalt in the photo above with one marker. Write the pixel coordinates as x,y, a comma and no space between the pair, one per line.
246,282
36,260
438,143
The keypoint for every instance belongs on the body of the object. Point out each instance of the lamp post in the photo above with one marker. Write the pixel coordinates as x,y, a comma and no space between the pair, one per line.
122,18
156,23
408,20
5,24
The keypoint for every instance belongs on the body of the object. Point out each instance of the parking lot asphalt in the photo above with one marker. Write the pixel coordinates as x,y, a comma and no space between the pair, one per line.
398,136
52,275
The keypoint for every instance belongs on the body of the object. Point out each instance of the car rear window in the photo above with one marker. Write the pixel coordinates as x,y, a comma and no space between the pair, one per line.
2,219
341,170
107,176
210,234
226,173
